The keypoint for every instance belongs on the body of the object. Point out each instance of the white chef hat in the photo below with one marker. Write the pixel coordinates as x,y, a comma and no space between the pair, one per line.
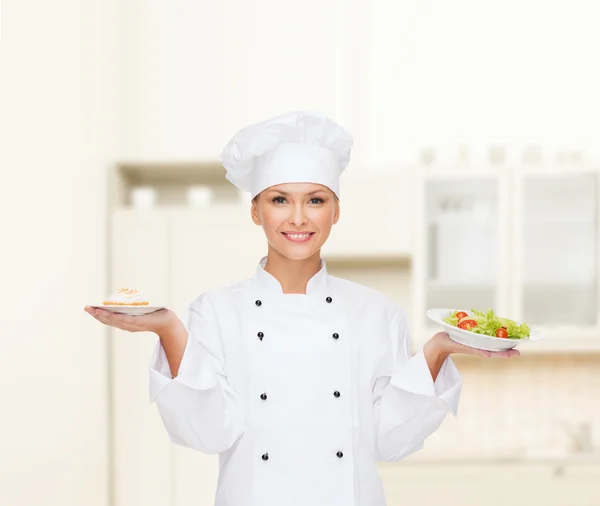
297,147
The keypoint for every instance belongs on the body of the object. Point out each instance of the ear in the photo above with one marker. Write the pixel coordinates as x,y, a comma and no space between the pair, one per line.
254,213
336,215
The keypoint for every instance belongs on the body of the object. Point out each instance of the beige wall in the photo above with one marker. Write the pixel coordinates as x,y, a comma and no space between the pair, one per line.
59,129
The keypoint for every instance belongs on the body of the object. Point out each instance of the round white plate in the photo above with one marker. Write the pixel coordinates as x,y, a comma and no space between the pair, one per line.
133,310
474,340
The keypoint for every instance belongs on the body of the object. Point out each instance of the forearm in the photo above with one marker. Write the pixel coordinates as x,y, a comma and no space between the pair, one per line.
173,339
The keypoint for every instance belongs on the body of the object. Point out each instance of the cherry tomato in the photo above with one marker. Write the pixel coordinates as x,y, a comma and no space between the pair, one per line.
467,324
501,332
461,314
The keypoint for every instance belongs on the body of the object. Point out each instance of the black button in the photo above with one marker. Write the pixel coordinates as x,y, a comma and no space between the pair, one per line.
328,299
258,303
336,336
263,397
340,454
260,335
336,393
265,456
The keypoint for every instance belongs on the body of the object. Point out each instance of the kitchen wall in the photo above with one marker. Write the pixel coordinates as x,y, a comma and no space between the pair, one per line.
60,129
528,407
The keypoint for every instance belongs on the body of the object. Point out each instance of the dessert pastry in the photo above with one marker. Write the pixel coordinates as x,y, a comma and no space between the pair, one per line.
126,297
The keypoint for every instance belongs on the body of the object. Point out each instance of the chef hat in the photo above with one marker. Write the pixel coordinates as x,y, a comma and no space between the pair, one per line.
298,147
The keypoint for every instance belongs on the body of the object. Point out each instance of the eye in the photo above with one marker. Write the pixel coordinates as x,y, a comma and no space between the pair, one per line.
319,200
277,199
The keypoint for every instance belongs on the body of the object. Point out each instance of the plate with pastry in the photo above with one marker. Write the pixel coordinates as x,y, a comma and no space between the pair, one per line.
128,301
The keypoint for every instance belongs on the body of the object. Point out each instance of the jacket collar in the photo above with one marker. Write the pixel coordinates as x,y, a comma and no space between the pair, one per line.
316,285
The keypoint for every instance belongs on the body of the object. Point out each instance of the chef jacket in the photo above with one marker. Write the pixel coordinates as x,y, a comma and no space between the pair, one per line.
300,394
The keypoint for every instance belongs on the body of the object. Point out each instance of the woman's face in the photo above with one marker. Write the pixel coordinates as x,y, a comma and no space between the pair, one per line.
296,217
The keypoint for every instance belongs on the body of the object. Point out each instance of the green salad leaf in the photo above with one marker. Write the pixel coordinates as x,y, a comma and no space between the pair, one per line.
488,323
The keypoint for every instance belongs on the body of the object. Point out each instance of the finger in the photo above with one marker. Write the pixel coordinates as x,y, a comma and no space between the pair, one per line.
475,351
505,353
106,317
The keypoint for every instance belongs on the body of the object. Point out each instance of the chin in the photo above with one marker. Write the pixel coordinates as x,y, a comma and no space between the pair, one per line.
296,252
296,255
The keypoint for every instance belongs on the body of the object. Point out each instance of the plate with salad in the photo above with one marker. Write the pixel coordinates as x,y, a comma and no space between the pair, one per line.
483,329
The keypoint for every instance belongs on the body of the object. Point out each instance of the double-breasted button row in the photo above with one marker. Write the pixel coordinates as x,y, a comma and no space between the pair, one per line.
260,335
265,456
329,300
263,396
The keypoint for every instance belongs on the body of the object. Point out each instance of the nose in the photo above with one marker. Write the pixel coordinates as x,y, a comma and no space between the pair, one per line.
298,216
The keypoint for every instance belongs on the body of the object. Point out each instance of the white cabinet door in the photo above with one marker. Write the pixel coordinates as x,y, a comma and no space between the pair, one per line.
141,449
209,249
556,283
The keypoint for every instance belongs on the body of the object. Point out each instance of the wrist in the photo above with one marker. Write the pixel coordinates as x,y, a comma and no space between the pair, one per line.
169,326
436,346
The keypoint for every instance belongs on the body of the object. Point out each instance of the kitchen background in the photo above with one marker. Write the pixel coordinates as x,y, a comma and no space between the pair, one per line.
474,182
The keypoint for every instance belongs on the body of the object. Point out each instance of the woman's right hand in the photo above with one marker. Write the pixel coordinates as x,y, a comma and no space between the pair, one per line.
158,321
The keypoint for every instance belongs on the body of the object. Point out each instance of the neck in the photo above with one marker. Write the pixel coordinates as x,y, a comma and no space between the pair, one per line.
293,275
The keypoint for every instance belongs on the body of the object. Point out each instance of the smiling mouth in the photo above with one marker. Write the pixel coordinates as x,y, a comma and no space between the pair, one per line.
298,237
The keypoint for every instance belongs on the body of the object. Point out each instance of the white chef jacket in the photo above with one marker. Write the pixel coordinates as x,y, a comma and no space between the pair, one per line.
300,394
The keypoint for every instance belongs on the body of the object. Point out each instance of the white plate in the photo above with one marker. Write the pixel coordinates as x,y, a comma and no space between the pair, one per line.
474,340
133,310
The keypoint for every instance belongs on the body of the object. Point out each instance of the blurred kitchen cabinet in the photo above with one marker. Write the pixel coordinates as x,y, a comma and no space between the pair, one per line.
521,241
556,267
141,450
376,217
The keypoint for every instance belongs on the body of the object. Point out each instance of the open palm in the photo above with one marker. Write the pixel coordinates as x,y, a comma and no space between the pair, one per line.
150,322
448,346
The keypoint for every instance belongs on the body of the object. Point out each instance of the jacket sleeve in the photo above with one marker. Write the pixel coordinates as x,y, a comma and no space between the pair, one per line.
409,406
199,408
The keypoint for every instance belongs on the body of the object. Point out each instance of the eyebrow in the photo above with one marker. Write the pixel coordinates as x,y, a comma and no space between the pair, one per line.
289,194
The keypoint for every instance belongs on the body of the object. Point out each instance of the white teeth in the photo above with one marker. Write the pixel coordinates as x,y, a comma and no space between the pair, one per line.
298,236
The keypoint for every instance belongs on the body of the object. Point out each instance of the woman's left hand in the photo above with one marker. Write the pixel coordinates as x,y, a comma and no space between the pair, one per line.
447,346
